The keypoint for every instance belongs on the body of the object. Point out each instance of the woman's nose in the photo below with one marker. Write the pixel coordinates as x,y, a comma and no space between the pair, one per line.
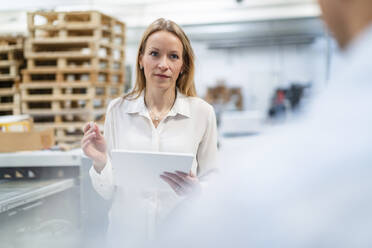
163,63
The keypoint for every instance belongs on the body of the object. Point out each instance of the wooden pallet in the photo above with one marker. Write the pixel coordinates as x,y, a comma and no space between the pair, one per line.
62,48
75,66
6,91
9,102
55,89
9,69
72,48
68,132
11,54
78,75
9,109
111,91
69,135
9,87
80,52
104,37
63,24
53,76
60,106
63,129
72,102
11,61
11,48
68,64
66,99
11,43
68,118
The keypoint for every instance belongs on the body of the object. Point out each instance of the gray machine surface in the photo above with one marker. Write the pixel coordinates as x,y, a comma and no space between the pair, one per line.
94,210
47,195
41,158
14,194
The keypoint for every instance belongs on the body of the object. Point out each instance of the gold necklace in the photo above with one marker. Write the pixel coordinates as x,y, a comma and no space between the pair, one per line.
158,117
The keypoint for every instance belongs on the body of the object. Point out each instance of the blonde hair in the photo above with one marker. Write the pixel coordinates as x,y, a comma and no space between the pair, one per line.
185,81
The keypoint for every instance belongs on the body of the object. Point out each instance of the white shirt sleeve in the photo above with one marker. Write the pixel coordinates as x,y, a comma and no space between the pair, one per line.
207,150
103,182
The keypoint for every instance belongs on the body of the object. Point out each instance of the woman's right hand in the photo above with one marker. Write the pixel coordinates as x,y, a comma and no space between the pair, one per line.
94,146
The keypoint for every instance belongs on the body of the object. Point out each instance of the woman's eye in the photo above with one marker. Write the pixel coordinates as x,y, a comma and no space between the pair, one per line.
153,53
174,56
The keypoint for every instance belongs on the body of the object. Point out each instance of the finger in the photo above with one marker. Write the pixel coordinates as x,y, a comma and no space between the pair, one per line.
178,179
99,134
85,144
182,173
88,132
192,174
96,129
186,178
89,136
85,148
87,126
185,174
88,152
175,186
170,181
186,185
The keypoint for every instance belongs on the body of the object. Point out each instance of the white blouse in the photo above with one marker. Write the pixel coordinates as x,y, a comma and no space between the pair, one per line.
189,127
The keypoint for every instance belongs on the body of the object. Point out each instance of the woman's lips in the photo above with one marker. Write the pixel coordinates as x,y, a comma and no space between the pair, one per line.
162,76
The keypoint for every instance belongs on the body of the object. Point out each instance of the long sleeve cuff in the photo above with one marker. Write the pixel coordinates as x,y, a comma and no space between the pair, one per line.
103,182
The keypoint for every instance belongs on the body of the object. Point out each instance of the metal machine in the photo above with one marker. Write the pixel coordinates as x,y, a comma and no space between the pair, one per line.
46,199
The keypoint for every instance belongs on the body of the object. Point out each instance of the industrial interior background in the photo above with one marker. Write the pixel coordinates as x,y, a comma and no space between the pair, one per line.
258,62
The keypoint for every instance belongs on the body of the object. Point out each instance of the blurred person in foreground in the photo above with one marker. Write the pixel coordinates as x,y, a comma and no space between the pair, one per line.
161,114
309,185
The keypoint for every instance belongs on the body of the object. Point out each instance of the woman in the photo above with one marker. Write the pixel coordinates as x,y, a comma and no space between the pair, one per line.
162,113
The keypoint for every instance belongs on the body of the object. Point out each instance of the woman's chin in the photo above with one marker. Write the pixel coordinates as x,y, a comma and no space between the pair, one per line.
163,85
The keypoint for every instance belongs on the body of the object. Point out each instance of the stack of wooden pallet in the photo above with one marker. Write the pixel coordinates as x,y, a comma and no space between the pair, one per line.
11,61
75,66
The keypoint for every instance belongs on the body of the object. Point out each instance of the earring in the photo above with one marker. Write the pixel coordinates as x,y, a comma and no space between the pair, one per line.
141,67
181,72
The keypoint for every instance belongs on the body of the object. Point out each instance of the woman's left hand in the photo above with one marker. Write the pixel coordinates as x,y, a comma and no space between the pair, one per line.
182,183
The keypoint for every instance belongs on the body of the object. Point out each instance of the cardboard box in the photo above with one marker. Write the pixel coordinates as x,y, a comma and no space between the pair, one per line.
16,123
26,141
221,94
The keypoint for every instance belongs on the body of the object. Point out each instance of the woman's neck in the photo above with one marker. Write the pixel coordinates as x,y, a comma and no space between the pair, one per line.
159,100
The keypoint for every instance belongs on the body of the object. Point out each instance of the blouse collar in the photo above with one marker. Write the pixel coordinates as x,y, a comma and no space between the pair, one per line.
137,106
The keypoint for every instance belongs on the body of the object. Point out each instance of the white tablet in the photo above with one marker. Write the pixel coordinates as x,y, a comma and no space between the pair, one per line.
141,169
